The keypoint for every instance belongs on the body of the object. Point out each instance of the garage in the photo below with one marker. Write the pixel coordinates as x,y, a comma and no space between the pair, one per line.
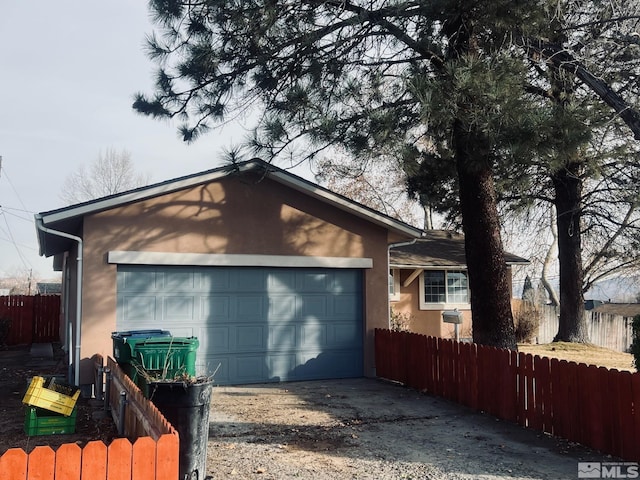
254,324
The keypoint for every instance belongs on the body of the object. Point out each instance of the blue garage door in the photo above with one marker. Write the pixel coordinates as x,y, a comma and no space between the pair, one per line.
253,324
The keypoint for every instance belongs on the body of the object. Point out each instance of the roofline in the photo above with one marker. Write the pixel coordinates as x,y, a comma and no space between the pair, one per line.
433,266
180,183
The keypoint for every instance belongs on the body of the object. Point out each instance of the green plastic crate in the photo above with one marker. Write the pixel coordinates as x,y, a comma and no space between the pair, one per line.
38,421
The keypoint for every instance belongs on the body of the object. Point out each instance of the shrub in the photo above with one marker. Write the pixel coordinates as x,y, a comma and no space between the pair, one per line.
634,349
527,322
399,321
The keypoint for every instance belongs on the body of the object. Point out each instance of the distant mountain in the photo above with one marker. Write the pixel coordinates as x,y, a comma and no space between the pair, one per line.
617,290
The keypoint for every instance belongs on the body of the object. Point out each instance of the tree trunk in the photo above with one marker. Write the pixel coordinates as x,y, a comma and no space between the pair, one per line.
488,278
568,190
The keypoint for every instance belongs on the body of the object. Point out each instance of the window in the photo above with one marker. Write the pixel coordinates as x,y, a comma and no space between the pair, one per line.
442,288
394,285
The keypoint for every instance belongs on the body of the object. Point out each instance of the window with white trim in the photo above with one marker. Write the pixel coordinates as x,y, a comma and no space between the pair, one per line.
444,289
394,285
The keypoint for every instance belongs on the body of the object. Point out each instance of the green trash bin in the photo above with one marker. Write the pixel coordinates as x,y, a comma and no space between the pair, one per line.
122,342
163,358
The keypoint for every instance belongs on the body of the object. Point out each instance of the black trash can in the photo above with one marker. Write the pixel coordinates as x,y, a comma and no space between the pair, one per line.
186,406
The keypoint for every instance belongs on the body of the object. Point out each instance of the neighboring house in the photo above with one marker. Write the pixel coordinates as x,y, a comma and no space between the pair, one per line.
48,288
625,310
278,278
429,276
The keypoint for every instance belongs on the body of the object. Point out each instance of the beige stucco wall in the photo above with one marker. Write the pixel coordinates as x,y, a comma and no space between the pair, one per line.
426,322
429,322
236,215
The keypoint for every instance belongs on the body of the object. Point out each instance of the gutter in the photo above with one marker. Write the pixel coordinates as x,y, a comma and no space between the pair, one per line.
78,320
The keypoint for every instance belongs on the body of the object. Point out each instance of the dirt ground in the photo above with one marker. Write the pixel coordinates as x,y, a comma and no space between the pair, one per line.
17,367
366,428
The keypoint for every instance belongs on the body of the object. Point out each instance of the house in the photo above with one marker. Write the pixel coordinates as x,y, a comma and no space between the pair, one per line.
428,277
49,288
278,278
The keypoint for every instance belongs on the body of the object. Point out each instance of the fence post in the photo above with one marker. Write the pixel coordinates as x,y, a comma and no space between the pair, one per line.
107,388
121,411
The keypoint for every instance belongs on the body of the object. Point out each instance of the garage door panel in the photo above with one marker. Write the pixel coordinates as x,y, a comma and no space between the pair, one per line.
178,308
178,279
216,339
248,280
259,324
250,307
142,280
342,334
248,368
312,306
136,308
282,336
313,336
249,338
345,306
215,307
282,307
280,366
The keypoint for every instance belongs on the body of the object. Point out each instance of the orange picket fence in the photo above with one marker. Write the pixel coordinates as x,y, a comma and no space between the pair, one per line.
145,459
590,405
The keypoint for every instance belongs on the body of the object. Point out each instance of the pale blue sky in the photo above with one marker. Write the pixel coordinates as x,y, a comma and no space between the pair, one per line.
68,72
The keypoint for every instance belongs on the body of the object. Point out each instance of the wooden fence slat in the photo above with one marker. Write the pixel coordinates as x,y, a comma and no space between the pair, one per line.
94,461
521,394
605,401
13,464
635,420
68,462
592,408
41,464
119,460
508,385
415,362
167,457
144,459
625,415
542,369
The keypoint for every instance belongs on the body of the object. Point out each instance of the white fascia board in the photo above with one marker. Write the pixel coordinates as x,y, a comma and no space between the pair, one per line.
427,267
234,260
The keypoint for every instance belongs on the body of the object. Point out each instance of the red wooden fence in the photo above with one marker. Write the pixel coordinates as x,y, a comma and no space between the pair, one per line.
34,318
594,406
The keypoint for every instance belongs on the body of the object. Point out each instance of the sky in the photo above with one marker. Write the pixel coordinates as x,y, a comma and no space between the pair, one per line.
68,74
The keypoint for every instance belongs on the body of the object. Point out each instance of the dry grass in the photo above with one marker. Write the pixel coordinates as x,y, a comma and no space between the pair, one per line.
582,353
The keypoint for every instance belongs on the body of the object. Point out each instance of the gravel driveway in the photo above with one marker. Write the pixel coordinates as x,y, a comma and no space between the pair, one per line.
365,428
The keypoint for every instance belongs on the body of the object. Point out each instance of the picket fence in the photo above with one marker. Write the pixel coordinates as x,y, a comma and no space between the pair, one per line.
34,318
593,406
154,454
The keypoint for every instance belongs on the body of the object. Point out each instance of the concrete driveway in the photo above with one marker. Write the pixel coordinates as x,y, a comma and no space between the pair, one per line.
366,428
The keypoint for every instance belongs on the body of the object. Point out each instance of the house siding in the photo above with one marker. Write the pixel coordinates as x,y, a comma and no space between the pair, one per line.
234,215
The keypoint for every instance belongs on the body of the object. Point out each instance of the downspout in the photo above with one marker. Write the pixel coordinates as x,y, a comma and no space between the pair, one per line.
389,247
78,322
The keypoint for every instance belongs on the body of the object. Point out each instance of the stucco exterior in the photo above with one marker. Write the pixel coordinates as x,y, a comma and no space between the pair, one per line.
248,214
